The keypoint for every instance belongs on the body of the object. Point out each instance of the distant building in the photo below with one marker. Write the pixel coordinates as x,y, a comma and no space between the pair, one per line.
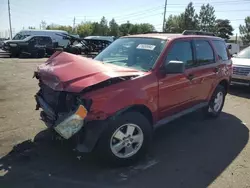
236,40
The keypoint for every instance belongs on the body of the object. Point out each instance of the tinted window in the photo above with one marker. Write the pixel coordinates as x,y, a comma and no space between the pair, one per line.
221,49
204,52
181,51
33,40
44,40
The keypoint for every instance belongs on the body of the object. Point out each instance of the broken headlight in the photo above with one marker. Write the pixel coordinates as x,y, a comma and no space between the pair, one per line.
72,124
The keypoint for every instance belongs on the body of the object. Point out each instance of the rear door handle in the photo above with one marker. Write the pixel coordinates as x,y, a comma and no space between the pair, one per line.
190,77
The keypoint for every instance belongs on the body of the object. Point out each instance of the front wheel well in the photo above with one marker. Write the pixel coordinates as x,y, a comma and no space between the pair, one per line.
144,110
225,84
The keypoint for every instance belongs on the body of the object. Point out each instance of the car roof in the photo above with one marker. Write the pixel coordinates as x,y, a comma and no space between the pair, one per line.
38,30
169,36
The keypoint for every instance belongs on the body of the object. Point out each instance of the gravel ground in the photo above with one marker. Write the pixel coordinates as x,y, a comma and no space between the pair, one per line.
190,152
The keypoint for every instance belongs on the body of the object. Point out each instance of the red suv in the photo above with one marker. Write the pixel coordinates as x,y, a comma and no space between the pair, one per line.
111,104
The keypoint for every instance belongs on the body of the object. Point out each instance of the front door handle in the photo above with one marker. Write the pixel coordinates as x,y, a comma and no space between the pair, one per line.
190,77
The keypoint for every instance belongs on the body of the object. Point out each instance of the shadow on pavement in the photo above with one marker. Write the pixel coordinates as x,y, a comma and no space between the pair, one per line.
190,152
240,91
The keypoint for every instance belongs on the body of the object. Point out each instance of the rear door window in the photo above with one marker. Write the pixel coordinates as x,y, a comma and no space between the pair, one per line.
33,41
44,41
221,49
204,52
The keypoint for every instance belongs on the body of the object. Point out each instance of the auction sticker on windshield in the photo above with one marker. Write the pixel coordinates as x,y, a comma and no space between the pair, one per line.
146,46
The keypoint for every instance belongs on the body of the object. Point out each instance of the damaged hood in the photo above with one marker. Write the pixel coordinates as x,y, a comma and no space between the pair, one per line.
68,72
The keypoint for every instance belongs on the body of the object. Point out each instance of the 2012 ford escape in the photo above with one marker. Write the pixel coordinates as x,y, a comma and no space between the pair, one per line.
112,104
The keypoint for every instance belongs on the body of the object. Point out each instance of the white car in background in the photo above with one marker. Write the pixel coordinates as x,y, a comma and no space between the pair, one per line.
241,67
233,48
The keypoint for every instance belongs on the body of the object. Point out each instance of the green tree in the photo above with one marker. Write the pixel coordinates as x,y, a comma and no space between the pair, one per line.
146,28
223,28
245,31
96,28
125,28
135,29
43,25
190,18
85,29
59,27
113,28
207,18
104,26
175,24
141,28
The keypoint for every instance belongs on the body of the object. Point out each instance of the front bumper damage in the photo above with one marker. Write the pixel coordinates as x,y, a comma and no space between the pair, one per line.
72,126
65,125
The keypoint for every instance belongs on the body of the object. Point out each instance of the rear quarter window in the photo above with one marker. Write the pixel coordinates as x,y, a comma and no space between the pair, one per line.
221,49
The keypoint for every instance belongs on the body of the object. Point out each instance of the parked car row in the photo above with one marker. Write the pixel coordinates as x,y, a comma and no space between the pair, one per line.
43,43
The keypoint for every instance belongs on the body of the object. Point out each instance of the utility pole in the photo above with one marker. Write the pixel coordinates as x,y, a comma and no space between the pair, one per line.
10,19
74,24
164,15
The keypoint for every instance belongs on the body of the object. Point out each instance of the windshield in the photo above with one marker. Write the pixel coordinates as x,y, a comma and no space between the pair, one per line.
245,53
20,37
137,53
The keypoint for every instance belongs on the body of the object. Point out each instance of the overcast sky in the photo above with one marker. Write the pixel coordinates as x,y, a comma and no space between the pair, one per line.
26,13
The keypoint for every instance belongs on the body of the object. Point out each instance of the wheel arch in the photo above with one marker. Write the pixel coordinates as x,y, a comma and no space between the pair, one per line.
225,84
144,110
96,127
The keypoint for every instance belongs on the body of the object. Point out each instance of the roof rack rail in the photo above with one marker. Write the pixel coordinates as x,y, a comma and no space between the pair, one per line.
153,32
195,32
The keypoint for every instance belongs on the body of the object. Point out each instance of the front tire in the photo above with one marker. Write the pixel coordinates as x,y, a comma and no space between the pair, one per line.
126,139
216,102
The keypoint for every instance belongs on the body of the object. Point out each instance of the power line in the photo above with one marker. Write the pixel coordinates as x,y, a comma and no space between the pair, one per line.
137,13
142,12
211,2
139,18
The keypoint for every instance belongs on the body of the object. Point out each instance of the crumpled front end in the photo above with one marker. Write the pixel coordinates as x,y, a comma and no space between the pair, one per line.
64,81
64,112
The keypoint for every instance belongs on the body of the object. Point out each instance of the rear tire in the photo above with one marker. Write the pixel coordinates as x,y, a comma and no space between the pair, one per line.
216,102
126,139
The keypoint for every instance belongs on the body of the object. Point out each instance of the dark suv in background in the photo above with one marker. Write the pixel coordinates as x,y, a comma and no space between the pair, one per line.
113,103
31,46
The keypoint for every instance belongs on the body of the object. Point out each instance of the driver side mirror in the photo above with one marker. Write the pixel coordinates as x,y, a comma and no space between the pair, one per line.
174,67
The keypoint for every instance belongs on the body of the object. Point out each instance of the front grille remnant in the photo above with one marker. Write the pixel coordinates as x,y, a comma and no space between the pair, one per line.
55,99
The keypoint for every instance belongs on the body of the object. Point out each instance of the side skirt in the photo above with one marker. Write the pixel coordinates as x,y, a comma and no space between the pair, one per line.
180,114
